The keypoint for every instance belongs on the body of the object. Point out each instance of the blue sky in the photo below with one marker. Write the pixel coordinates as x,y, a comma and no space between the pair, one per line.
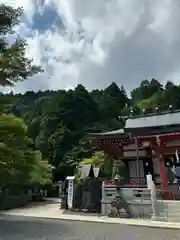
48,19
99,41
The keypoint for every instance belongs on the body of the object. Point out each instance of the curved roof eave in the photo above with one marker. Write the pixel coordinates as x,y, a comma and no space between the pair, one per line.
116,133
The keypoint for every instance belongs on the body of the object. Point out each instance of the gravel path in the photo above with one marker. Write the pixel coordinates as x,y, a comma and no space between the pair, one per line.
17,228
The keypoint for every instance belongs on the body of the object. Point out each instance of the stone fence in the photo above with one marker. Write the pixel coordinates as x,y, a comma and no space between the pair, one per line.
10,201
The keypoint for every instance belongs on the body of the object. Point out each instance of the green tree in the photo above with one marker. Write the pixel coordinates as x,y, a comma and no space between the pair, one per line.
97,160
20,162
112,101
14,65
59,120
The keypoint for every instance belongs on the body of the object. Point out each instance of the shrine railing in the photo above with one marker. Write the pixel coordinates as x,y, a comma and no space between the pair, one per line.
134,203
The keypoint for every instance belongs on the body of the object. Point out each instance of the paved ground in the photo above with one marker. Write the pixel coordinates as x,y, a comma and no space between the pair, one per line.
27,228
46,209
43,221
51,209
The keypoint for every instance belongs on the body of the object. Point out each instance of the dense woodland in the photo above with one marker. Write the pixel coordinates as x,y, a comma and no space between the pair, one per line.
59,120
21,163
41,128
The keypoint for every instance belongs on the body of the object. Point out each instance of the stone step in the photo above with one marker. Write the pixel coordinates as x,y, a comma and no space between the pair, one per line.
173,210
173,214
160,218
172,219
172,205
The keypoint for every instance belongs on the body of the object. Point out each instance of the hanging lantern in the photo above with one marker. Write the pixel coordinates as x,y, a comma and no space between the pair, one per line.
157,109
170,107
169,162
131,112
146,144
158,140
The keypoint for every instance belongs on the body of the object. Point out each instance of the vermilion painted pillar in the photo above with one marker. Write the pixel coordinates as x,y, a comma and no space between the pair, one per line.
162,170
163,177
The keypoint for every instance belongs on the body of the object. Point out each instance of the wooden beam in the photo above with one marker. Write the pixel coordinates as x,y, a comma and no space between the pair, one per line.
163,137
112,150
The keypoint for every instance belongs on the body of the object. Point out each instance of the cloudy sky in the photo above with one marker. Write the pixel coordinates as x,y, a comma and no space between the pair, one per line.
95,42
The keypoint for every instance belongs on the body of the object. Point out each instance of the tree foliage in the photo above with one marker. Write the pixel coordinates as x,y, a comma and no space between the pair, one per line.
19,161
59,120
97,160
14,65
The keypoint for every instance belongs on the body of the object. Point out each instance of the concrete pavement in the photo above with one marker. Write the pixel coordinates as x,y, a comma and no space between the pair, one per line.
51,210
46,209
124,221
28,228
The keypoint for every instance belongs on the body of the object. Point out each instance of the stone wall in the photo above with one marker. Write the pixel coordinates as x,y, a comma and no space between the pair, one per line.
9,202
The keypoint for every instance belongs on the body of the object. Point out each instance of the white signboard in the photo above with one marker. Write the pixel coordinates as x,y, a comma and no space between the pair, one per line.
149,181
70,191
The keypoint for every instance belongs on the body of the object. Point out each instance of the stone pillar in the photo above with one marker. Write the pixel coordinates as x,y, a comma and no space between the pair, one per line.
103,204
154,201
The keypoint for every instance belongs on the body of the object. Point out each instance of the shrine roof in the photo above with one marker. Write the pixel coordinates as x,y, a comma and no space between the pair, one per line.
165,122
157,120
119,133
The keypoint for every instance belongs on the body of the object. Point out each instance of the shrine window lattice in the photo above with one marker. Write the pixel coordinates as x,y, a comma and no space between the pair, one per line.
133,173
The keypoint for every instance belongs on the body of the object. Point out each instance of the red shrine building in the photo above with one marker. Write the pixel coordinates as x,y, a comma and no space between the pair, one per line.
148,144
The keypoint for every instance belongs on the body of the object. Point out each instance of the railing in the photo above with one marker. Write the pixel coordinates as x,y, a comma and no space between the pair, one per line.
136,203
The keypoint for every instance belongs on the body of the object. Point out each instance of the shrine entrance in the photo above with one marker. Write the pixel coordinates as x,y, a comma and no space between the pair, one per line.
146,145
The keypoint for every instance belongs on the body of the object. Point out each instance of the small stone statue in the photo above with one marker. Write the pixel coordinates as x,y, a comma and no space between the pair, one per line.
119,207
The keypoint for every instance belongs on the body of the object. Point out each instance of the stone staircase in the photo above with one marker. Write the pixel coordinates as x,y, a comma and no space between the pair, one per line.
162,212
173,210
168,211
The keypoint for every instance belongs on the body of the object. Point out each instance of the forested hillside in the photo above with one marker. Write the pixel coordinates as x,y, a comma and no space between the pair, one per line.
58,120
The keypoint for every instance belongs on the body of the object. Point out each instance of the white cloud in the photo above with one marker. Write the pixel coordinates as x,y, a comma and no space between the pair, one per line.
98,42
